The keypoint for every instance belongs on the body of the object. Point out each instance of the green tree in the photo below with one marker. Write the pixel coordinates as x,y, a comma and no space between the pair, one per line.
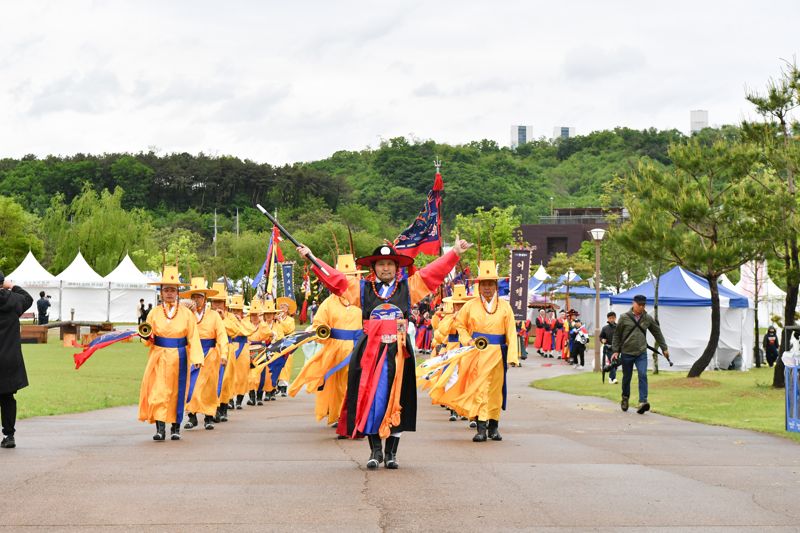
701,214
494,231
18,234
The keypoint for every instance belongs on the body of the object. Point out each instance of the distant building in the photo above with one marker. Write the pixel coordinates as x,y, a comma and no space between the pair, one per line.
521,135
698,119
565,230
563,132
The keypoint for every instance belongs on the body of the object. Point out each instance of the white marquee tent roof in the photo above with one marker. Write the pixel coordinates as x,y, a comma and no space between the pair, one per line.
79,273
31,273
127,275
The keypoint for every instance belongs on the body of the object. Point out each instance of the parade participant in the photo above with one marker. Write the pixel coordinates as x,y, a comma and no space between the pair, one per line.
245,361
424,336
581,337
381,398
14,300
174,347
538,342
219,303
203,397
287,308
237,373
269,330
524,332
630,341
326,373
561,333
447,327
492,318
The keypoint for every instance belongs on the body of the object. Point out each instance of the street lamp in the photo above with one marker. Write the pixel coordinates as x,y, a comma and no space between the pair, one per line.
597,236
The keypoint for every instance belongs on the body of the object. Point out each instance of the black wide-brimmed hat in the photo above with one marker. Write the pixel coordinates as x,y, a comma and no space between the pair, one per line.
385,251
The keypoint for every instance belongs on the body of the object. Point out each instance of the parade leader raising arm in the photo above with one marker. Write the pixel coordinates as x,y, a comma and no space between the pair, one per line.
381,396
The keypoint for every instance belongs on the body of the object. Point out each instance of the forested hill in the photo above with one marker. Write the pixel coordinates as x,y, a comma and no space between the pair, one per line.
393,178
144,204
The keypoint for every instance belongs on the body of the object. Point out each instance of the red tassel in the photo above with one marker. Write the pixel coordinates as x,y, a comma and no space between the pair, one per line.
438,183
304,312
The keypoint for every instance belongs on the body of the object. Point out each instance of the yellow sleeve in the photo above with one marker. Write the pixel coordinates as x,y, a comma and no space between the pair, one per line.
462,323
222,336
277,333
287,325
195,349
246,328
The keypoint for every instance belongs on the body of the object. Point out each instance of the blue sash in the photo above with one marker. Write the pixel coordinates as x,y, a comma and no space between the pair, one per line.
207,344
501,341
346,334
453,337
242,340
180,343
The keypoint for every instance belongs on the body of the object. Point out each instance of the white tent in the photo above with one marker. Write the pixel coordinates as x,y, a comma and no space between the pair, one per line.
541,274
83,290
771,298
32,276
126,286
684,311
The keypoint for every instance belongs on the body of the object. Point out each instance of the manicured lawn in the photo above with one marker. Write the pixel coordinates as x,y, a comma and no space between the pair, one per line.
743,400
110,378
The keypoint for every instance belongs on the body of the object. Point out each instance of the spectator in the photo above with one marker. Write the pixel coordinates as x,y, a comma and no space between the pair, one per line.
606,337
771,344
630,342
42,305
581,337
13,302
312,310
142,311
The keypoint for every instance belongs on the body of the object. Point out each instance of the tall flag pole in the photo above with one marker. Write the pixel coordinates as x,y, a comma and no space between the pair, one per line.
424,235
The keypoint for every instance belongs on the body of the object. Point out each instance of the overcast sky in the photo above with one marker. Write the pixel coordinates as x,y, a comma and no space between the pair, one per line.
288,81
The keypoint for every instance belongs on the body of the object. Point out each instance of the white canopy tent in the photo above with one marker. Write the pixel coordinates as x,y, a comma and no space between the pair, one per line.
32,276
541,274
771,298
84,291
684,311
126,286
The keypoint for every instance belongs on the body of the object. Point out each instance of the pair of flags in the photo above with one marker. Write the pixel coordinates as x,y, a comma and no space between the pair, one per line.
267,276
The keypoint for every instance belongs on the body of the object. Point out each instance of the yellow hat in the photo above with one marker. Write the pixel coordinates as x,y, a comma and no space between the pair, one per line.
255,307
487,271
285,300
221,294
268,307
170,276
346,264
236,302
198,286
459,296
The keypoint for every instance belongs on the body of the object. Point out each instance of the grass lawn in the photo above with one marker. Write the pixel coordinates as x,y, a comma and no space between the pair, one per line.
743,400
110,378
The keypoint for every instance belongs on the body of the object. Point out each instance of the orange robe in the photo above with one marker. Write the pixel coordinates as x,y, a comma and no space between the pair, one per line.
266,333
205,399
233,329
158,395
288,326
337,313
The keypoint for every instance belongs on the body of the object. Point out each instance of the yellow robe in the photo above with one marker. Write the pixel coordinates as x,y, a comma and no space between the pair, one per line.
479,389
158,395
233,329
288,326
334,312
205,399
266,333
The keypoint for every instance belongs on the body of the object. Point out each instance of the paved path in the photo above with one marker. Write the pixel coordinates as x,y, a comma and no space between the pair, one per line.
566,463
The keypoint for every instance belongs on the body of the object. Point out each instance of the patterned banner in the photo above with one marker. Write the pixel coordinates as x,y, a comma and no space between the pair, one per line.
520,271
287,269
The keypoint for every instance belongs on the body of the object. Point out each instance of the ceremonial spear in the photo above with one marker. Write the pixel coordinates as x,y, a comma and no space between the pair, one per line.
294,241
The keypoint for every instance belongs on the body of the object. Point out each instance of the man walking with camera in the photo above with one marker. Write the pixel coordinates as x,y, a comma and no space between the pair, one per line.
13,302
630,341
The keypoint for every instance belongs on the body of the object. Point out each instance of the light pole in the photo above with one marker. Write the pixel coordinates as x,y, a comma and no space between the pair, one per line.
597,237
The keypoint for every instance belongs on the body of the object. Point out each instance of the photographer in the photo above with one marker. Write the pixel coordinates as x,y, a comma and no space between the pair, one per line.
606,337
42,306
13,302
630,341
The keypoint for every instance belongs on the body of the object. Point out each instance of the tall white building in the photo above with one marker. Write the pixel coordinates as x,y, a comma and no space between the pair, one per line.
521,135
563,132
698,119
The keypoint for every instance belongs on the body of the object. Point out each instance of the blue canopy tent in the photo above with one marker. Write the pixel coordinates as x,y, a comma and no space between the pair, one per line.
684,311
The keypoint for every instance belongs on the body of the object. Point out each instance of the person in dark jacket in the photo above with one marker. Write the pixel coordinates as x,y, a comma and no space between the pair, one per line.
13,302
606,337
630,341
42,306
771,343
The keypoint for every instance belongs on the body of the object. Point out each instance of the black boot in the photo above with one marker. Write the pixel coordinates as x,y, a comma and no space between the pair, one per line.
284,390
175,431
191,422
260,394
161,431
376,457
391,453
231,404
8,442
208,422
218,414
251,397
223,414
624,403
453,416
493,433
239,398
480,436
